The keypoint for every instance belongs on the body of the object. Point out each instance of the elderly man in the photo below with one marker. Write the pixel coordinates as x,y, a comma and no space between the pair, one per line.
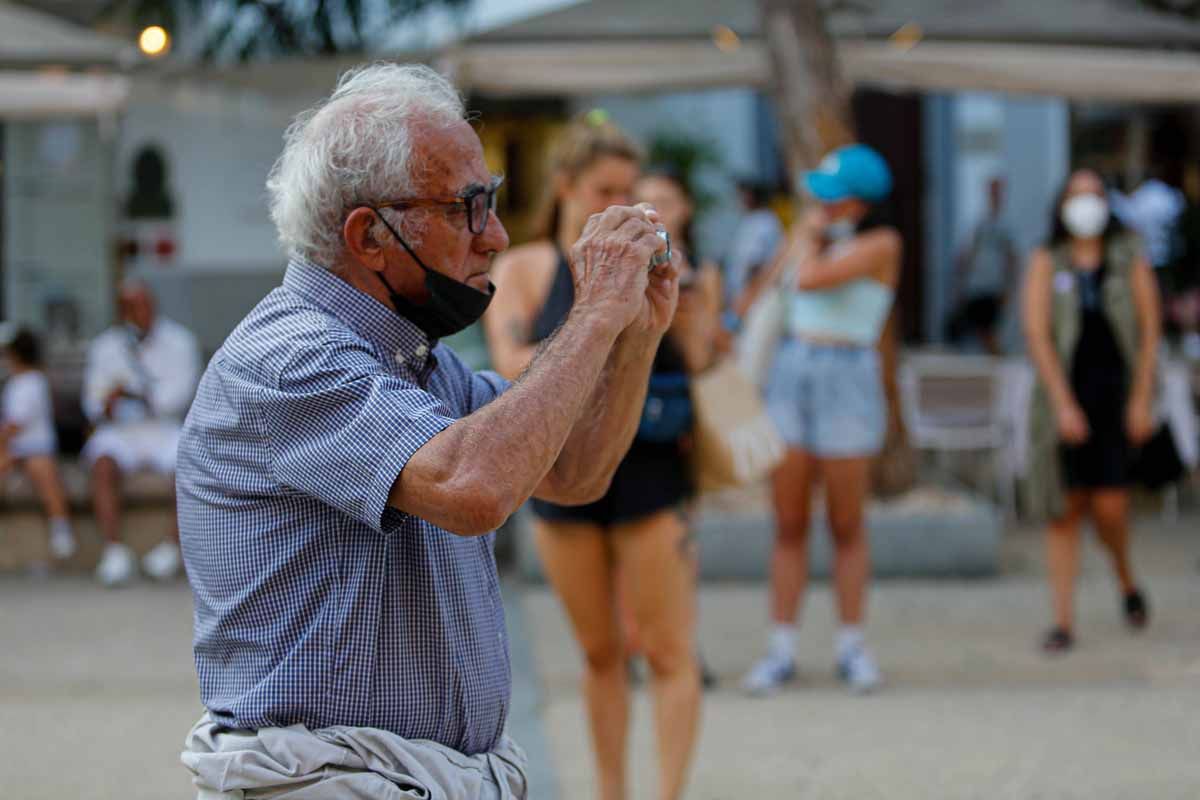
137,385
342,473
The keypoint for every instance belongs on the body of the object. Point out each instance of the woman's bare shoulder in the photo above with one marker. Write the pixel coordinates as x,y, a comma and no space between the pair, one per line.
885,247
530,265
530,254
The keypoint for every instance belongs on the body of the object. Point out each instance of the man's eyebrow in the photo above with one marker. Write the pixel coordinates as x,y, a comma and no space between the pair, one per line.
476,187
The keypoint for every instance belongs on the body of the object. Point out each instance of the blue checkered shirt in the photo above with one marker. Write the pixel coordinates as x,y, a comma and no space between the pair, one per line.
316,602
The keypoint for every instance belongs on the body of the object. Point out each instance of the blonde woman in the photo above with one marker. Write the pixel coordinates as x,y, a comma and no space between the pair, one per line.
632,543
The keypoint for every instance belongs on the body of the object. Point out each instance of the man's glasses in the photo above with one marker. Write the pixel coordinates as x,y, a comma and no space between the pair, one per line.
478,202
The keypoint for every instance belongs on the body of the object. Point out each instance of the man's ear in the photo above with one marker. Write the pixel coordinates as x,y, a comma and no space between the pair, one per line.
359,234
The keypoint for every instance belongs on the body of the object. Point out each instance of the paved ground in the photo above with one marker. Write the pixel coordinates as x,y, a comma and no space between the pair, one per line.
97,692
971,709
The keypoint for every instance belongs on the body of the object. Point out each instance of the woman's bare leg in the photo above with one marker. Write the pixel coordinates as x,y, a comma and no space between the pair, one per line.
846,482
579,564
792,495
1062,558
1110,511
657,574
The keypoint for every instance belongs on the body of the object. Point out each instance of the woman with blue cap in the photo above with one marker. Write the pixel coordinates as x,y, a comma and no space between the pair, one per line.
826,395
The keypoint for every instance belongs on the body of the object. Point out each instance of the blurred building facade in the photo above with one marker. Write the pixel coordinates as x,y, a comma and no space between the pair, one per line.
968,97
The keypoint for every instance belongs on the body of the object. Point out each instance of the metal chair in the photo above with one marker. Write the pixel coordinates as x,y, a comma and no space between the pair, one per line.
954,403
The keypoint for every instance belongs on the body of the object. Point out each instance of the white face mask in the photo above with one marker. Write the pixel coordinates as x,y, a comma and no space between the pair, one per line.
1085,215
840,230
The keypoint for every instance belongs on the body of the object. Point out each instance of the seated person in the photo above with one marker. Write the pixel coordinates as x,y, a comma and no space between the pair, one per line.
139,381
27,438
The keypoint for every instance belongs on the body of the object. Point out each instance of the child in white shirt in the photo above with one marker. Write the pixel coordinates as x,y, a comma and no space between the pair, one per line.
27,437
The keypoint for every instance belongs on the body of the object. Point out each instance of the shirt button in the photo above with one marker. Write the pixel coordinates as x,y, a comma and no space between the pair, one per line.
400,357
422,350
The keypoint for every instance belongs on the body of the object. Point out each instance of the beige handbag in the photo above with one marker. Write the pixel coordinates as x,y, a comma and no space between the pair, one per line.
734,441
760,334
765,323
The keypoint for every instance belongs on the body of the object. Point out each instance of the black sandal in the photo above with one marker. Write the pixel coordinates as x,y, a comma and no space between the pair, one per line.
1058,640
1137,611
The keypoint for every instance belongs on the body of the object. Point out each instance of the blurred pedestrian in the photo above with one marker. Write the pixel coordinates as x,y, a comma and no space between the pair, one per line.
987,270
697,331
754,242
137,387
342,471
631,546
826,396
1184,302
1092,325
27,438
1152,210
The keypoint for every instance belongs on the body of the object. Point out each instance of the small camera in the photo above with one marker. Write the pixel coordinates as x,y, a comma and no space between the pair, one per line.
658,259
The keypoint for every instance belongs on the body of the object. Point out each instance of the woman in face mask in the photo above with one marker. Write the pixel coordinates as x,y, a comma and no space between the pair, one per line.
825,393
1092,325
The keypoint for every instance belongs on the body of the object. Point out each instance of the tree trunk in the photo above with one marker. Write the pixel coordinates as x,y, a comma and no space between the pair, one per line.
812,100
810,94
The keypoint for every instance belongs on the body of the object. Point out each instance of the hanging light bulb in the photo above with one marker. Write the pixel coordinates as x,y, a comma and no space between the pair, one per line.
154,41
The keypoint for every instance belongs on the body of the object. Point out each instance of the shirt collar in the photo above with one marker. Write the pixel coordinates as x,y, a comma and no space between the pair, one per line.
396,338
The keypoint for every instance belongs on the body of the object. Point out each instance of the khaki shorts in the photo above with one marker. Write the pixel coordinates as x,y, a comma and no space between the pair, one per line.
295,763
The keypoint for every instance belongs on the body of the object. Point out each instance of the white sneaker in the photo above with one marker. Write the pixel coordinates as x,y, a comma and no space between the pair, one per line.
857,668
768,675
117,565
162,563
62,544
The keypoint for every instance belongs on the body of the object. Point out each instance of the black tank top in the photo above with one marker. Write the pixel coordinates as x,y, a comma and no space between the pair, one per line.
654,475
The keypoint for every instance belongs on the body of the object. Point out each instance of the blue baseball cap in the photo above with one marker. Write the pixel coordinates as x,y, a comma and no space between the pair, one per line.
851,171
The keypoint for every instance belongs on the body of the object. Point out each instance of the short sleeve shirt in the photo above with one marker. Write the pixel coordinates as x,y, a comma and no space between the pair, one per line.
26,402
315,601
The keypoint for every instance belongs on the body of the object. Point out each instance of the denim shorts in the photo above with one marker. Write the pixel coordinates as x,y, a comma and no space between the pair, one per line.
828,399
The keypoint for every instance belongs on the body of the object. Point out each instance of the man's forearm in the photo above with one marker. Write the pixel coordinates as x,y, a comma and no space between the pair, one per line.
484,466
602,435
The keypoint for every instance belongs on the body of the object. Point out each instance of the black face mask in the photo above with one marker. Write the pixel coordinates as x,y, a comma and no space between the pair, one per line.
452,305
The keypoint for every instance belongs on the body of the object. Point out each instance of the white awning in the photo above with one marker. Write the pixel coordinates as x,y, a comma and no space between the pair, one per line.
30,38
1077,49
39,95
1079,73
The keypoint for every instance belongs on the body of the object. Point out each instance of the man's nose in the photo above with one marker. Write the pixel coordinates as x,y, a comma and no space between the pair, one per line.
494,237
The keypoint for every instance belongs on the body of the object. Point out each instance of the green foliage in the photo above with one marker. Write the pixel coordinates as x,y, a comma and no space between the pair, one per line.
247,30
686,156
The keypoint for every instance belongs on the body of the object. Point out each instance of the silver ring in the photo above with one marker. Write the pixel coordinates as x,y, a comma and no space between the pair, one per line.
658,259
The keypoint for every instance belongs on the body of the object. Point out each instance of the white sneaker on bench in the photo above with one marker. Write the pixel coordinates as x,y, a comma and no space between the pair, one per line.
162,563
62,543
117,565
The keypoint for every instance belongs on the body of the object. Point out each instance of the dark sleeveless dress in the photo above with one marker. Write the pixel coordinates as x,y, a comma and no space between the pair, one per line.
1100,382
654,475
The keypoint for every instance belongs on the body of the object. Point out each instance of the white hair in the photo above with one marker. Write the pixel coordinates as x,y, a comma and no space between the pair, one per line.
355,149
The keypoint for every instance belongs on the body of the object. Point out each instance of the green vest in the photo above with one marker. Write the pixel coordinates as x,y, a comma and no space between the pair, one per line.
1043,482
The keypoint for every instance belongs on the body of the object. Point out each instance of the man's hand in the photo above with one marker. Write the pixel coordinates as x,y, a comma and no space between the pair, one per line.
611,262
661,299
118,394
111,399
